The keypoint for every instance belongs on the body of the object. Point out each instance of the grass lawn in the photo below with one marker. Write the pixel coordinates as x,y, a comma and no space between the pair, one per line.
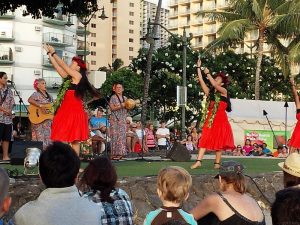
129,168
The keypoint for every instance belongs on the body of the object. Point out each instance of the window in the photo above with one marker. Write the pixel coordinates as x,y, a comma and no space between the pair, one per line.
131,13
130,31
131,49
93,53
130,39
131,22
94,16
130,57
93,44
93,25
93,34
93,62
131,4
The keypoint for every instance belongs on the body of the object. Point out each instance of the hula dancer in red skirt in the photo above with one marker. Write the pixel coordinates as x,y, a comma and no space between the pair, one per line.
70,123
294,143
216,130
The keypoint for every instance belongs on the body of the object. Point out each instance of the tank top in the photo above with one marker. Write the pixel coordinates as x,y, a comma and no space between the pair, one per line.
237,218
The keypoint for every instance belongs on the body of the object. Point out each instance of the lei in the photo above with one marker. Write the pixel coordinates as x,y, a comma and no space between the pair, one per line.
214,111
61,94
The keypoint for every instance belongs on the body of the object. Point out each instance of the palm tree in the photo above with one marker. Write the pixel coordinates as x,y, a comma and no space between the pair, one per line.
243,16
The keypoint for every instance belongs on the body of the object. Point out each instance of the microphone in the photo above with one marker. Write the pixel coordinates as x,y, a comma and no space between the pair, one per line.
265,113
10,82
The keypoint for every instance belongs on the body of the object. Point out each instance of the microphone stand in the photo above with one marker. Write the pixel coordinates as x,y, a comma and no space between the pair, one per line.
265,114
21,102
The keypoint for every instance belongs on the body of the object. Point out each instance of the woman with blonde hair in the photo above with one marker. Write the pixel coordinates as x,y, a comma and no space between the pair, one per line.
232,204
40,98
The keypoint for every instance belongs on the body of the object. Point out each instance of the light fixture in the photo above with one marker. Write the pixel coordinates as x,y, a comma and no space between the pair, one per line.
103,16
69,22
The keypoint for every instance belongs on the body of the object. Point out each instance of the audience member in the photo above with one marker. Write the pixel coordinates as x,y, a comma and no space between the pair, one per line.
258,151
278,152
141,135
114,205
248,147
131,137
195,136
231,206
239,151
266,151
173,186
286,208
291,170
284,153
150,137
189,144
60,203
5,200
162,135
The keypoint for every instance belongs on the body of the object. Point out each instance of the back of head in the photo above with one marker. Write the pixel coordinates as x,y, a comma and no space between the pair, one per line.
174,183
291,170
286,208
59,165
100,175
4,185
231,172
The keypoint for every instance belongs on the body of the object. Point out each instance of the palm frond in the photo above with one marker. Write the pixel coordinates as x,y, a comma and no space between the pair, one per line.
257,10
294,55
219,16
234,30
287,24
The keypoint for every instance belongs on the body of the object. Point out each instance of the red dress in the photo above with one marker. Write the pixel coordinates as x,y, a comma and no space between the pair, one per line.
295,139
219,136
70,122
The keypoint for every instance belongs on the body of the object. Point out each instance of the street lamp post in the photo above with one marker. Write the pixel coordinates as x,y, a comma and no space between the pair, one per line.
85,21
184,41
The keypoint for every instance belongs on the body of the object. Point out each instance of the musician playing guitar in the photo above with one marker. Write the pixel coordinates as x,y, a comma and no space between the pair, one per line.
41,100
6,104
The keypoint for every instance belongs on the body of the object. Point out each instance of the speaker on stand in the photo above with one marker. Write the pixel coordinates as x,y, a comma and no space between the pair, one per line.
179,153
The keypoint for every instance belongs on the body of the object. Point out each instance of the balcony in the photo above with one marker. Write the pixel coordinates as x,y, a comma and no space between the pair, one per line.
6,36
173,26
60,20
198,33
184,1
184,24
56,39
47,63
173,3
6,56
196,10
8,15
185,12
81,32
80,48
198,44
173,14
210,31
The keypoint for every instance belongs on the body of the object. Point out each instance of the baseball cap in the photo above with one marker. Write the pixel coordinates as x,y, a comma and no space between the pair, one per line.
230,168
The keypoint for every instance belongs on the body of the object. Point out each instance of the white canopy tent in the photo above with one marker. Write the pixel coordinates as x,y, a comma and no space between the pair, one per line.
248,115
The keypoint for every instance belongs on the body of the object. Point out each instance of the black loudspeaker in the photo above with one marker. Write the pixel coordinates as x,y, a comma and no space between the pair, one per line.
179,153
18,152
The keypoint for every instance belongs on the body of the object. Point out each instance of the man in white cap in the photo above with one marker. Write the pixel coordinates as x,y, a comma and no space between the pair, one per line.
291,170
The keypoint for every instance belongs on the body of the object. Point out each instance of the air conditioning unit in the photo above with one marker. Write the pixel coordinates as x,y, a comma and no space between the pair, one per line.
74,36
18,49
3,34
37,28
37,72
16,93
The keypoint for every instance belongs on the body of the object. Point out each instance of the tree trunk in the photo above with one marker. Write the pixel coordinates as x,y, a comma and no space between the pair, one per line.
258,63
149,65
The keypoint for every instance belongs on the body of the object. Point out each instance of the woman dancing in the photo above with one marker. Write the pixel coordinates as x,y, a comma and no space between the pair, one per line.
41,131
294,143
216,131
70,123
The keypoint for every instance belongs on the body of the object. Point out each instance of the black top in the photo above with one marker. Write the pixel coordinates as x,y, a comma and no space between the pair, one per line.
212,96
237,218
72,87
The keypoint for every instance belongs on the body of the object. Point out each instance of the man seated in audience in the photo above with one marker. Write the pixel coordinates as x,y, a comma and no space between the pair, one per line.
258,151
173,186
286,208
291,170
5,200
99,136
266,151
60,203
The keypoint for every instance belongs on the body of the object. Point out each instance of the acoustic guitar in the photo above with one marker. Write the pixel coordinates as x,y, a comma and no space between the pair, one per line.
36,115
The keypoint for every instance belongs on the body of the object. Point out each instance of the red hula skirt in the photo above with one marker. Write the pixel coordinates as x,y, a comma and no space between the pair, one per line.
219,136
295,139
70,122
